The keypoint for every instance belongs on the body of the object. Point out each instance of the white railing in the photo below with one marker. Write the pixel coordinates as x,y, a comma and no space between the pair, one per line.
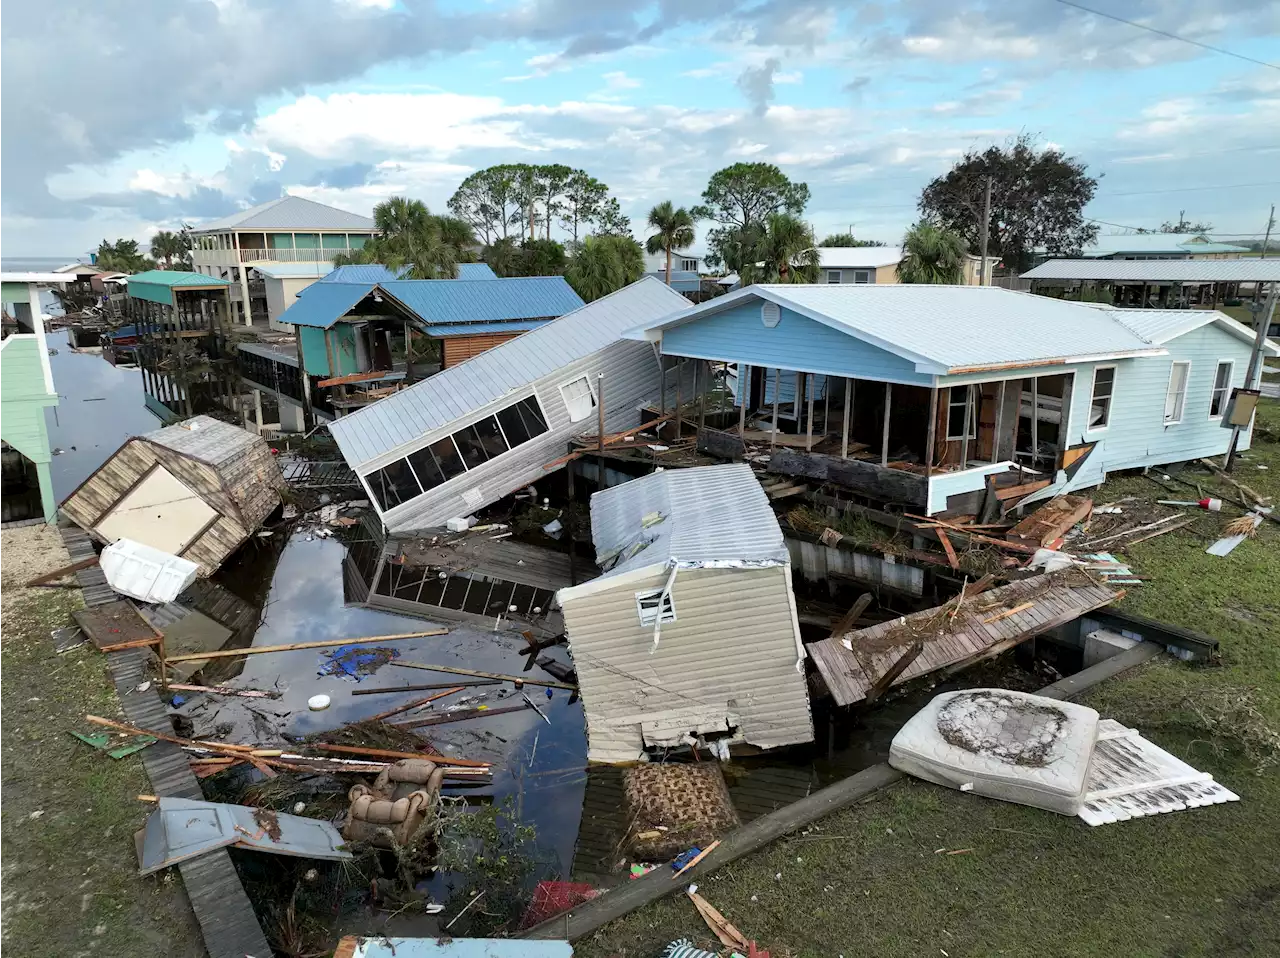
231,257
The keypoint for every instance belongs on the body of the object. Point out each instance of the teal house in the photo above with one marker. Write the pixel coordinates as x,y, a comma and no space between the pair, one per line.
26,390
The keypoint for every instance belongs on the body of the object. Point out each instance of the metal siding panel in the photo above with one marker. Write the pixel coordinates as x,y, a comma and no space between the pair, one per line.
731,648
436,402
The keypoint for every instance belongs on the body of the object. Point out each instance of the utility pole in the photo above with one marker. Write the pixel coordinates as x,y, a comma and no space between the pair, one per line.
1262,319
986,229
1271,221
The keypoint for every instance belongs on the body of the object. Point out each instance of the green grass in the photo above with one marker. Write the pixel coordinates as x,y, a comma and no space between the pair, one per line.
70,873
869,880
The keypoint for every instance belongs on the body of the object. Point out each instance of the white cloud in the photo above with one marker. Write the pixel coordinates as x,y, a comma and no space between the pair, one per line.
793,76
618,80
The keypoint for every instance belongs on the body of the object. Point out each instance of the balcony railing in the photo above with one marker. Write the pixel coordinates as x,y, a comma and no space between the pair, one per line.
231,257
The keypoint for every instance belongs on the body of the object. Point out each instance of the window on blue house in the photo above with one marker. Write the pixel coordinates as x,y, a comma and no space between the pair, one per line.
1104,380
960,397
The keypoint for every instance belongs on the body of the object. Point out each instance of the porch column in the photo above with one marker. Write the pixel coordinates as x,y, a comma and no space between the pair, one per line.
848,414
808,419
884,439
744,395
679,397
244,291
662,400
704,370
968,426
995,441
48,502
257,409
773,429
931,439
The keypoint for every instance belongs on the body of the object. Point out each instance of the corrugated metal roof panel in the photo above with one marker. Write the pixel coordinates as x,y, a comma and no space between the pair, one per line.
205,438
709,514
682,281
477,329
461,300
475,271
403,417
942,328
1169,244
1161,270
176,278
323,304
289,213
364,273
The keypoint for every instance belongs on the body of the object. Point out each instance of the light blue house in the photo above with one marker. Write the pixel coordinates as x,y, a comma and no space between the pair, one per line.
923,396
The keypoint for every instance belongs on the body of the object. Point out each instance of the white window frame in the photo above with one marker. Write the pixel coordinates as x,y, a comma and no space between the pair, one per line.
590,390
1180,407
1226,390
973,418
838,274
864,276
649,613
688,265
1111,399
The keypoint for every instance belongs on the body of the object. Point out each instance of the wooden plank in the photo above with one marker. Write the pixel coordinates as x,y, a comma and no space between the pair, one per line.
323,644
517,679
947,547
1051,521
396,756
1025,489
59,573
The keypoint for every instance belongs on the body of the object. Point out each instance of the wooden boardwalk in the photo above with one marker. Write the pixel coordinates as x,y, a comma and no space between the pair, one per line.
977,632
227,921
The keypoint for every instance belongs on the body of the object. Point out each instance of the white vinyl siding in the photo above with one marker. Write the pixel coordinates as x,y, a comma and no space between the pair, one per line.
1221,389
1175,397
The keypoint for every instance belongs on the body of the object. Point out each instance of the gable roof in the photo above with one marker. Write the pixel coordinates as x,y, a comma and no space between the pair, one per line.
1151,243
205,438
289,213
859,257
406,416
1252,269
485,301
321,304
947,329
1159,326
709,515
363,273
475,271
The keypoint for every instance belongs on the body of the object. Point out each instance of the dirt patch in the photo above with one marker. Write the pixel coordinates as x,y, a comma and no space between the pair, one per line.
28,552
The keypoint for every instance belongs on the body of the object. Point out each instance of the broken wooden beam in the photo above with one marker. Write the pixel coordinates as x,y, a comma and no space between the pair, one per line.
322,644
890,676
396,756
57,574
517,679
952,559
850,618
1053,520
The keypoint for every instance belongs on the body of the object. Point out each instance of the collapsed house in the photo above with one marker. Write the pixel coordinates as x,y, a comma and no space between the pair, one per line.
482,429
691,630
196,489
939,397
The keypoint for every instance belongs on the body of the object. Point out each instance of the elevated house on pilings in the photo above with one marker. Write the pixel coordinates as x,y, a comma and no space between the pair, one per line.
962,399
358,342
179,323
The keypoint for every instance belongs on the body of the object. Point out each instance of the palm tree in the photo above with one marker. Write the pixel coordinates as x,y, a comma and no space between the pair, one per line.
784,252
596,270
409,235
399,214
167,246
675,231
630,256
931,254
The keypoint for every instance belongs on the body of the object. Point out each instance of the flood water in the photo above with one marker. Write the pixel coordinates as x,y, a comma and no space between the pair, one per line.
298,584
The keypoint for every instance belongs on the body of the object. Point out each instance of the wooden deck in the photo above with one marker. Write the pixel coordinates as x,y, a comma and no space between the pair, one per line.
227,921
952,644
113,623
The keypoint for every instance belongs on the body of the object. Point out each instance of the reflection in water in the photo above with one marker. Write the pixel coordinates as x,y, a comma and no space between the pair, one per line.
100,406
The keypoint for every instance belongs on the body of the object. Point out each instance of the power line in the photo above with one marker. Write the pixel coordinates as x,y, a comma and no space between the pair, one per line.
1171,36
1195,189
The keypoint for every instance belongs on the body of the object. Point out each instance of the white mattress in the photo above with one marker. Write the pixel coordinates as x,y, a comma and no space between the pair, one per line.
1002,744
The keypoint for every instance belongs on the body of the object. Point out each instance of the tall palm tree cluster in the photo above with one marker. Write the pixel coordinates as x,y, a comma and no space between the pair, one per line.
411,235
932,254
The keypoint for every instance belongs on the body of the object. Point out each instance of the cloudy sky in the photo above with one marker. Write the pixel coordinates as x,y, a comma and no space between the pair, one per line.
123,116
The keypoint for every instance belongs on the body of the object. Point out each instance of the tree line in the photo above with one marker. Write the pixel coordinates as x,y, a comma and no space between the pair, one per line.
504,215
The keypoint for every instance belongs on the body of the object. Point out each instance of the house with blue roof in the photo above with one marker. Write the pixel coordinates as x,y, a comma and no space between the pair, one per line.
959,399
366,333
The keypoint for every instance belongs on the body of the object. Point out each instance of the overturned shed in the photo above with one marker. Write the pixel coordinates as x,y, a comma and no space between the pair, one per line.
197,489
862,664
691,631
484,428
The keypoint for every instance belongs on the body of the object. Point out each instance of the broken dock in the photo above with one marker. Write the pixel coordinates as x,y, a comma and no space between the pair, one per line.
954,636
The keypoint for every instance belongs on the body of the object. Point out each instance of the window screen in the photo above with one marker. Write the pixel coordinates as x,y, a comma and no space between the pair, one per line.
955,412
1104,378
1175,398
577,396
648,604
1221,390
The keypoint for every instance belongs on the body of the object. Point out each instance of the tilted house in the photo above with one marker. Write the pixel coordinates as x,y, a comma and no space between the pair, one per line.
691,631
196,489
937,397
484,428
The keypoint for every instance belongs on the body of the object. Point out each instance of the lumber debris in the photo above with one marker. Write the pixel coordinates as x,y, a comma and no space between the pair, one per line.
459,715
57,574
322,644
850,618
412,705
1047,525
719,925
1022,607
952,559
608,441
517,679
396,756
696,858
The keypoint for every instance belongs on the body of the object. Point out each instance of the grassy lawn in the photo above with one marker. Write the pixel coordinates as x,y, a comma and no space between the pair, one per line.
872,879
69,814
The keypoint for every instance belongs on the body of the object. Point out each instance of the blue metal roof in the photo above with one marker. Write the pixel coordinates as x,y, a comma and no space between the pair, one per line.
364,273
495,300
478,329
323,304
475,271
